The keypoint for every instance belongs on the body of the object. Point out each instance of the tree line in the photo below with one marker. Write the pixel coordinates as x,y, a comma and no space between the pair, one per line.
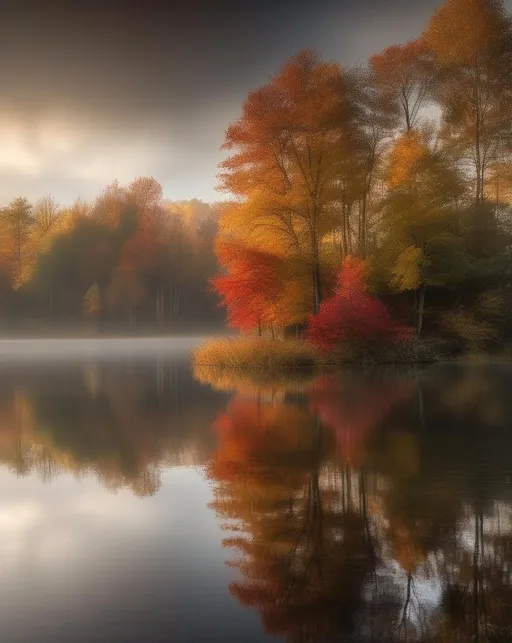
125,259
404,162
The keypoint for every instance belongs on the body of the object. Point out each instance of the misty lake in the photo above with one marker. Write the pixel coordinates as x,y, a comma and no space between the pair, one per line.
140,501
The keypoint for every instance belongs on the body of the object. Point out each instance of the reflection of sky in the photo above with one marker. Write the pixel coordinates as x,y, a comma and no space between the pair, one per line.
78,563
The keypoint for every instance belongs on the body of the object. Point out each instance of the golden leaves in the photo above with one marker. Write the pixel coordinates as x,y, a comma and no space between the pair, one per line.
406,272
406,154
288,150
462,30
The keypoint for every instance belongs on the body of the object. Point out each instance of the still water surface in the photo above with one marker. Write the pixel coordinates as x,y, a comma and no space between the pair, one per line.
142,502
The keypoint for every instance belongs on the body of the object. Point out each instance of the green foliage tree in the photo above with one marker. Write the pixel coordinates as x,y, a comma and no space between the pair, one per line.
421,246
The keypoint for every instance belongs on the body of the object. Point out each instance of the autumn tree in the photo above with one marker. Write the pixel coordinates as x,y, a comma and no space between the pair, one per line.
473,42
49,221
46,213
126,292
421,244
250,287
79,209
147,194
286,152
75,261
19,220
405,75
107,207
127,287
375,124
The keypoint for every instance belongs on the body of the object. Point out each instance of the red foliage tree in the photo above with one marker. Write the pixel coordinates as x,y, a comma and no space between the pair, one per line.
351,314
250,286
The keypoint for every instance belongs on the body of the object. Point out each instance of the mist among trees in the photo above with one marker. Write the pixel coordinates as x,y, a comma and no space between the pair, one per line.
128,259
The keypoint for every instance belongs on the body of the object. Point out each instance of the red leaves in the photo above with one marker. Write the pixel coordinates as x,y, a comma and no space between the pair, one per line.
250,285
398,63
138,252
351,314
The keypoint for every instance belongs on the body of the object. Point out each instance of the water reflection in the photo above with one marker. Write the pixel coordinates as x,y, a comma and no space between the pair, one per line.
370,506
122,422
360,506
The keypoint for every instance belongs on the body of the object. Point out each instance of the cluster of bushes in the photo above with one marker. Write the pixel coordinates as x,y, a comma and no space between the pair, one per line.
350,327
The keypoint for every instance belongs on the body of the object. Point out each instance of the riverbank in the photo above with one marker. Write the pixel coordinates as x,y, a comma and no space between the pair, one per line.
280,356
256,354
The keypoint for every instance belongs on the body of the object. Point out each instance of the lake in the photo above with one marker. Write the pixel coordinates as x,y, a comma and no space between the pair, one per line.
141,501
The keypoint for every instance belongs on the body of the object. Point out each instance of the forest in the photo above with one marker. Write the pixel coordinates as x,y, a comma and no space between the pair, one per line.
374,202
121,262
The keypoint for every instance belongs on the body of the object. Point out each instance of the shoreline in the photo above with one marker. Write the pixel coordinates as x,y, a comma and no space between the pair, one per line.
257,355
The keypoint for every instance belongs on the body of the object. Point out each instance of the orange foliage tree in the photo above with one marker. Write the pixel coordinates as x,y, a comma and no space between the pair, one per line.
287,150
251,289
405,74
472,41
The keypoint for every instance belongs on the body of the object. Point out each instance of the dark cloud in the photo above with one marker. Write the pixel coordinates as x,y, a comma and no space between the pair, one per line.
94,90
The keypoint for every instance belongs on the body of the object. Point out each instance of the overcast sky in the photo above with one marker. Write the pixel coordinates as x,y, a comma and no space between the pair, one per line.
96,90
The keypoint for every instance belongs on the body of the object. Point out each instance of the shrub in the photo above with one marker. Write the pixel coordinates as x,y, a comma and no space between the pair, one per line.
472,333
412,351
351,316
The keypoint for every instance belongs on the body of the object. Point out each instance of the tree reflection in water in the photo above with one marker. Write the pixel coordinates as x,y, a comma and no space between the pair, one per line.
371,506
119,422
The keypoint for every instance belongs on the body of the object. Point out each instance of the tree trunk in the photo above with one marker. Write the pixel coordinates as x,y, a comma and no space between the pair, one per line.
178,294
421,308
362,226
421,404
160,377
172,305
102,305
175,300
160,305
316,289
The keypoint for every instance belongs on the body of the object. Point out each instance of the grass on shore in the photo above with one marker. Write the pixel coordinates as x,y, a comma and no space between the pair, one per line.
267,355
272,357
